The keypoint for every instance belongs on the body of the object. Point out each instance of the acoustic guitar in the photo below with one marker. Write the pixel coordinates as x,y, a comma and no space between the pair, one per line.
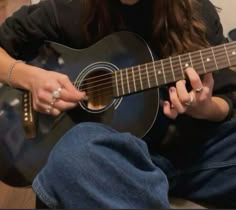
122,79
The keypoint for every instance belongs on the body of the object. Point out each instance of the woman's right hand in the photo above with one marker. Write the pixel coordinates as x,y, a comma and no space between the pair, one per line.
41,83
44,83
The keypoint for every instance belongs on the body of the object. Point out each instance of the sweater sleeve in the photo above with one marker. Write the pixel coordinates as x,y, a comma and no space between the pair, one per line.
225,79
24,32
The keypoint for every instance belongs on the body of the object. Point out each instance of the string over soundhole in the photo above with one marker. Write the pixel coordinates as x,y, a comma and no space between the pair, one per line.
98,87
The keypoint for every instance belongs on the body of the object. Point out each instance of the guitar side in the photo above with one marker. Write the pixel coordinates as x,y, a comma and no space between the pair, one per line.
134,113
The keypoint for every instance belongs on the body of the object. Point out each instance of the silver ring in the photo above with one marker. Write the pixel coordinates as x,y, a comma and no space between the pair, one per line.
189,103
199,90
49,108
56,93
53,101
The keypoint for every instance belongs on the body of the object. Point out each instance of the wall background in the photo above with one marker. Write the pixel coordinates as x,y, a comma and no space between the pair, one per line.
7,7
34,1
227,14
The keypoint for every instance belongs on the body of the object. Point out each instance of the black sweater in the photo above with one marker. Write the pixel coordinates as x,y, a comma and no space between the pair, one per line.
59,20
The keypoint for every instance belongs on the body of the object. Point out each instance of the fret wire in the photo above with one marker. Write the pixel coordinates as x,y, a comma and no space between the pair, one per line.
155,72
127,78
232,53
141,82
204,67
208,59
185,61
138,81
163,71
167,65
197,61
135,88
172,68
203,62
177,68
219,54
230,47
159,77
159,72
149,85
190,60
227,54
181,67
214,57
117,88
122,83
146,67
171,72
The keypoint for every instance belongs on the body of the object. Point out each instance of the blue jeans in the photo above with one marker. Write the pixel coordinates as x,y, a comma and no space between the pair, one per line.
94,166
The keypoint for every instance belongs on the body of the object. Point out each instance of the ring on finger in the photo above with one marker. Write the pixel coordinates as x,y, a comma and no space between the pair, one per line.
189,103
53,101
49,109
56,93
199,90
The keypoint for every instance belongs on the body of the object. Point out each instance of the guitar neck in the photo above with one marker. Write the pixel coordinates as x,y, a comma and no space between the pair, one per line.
158,73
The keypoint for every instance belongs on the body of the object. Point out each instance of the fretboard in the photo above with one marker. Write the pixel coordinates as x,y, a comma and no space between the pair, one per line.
161,72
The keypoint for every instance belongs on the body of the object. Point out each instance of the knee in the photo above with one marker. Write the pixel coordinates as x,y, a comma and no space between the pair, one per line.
91,144
77,140
83,134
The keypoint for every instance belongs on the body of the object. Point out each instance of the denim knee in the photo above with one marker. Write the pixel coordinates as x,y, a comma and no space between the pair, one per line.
96,166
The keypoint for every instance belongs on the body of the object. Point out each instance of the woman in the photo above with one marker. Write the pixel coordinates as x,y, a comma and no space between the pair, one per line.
95,166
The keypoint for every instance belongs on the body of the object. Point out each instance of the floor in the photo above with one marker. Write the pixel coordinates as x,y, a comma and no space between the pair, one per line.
12,198
24,198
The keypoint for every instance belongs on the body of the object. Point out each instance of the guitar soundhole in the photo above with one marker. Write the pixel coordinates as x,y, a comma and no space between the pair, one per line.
98,88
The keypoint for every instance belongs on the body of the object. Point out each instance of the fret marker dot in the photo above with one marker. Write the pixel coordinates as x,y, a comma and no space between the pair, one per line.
159,72
186,65
208,59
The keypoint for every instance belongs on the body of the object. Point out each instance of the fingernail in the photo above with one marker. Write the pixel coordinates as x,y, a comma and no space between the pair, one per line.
85,98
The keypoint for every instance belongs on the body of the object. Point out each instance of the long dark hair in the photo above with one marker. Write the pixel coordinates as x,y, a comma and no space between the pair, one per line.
176,25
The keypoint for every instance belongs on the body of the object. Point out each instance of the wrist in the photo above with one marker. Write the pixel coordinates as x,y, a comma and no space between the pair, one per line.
22,76
218,109
11,69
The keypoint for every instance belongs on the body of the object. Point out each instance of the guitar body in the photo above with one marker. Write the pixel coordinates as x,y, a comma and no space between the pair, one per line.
22,159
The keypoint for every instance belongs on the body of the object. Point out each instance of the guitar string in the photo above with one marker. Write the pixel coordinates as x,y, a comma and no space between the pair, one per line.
229,45
145,69
186,54
209,51
125,81
154,63
108,88
108,92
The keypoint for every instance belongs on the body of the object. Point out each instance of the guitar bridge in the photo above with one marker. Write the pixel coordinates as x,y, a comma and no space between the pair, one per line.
28,116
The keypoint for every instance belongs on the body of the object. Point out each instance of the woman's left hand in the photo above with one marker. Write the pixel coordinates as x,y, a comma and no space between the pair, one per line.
196,103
